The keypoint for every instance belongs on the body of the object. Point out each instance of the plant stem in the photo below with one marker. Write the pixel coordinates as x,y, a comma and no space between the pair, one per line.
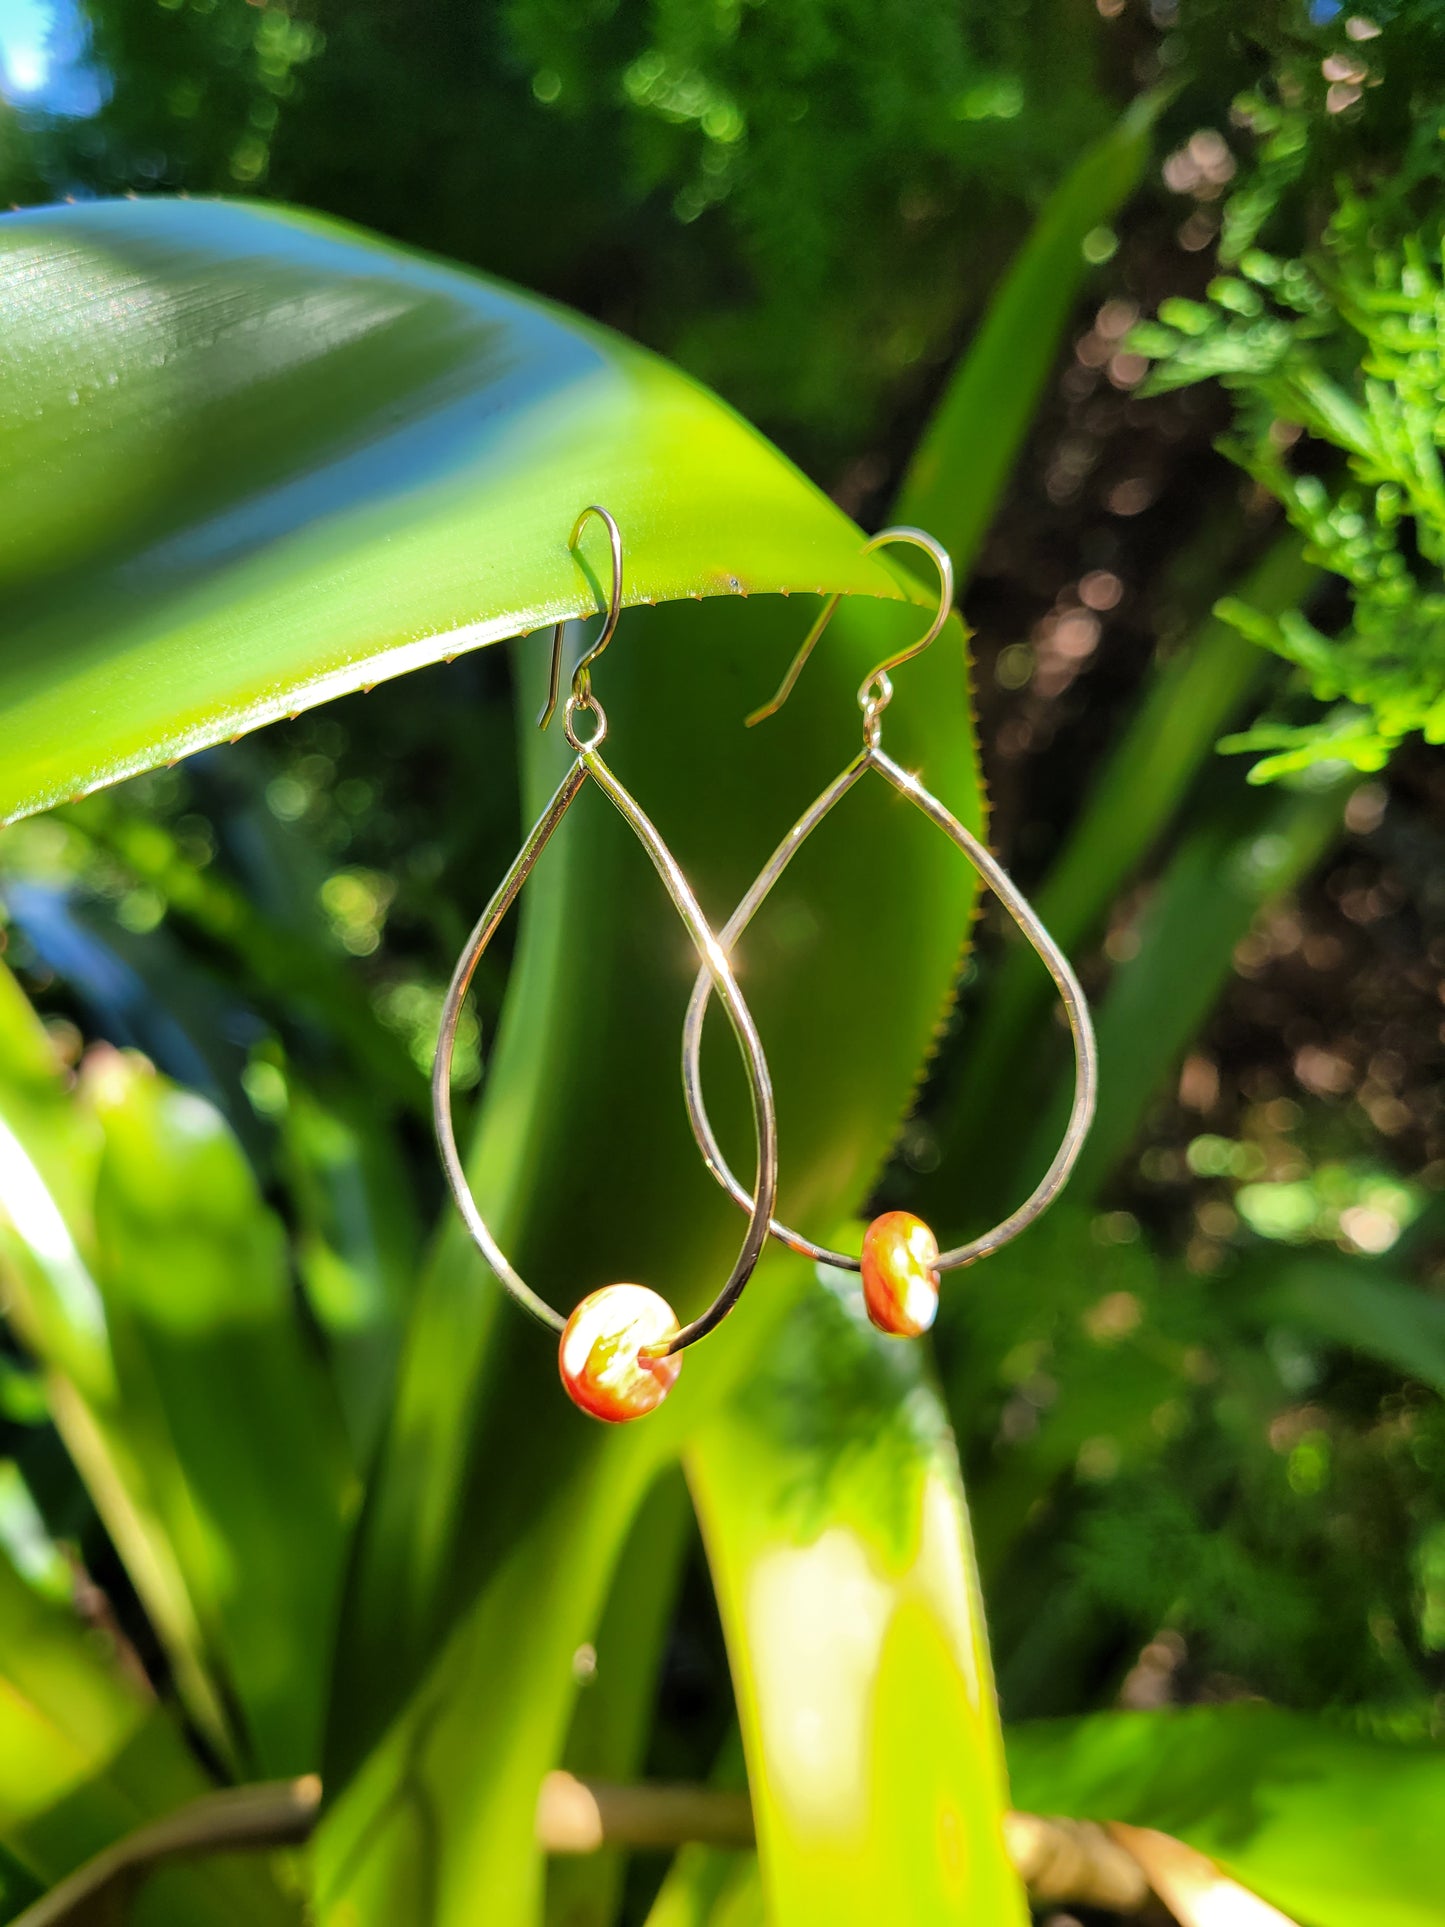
1060,1860
278,1813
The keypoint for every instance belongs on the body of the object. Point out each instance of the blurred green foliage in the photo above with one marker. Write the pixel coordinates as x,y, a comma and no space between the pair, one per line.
1199,1408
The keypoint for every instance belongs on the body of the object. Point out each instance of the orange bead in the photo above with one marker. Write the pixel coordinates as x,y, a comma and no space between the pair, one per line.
900,1280
603,1357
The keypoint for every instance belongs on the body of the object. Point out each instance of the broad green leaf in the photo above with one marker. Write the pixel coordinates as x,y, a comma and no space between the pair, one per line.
443,1809
581,1103
86,1756
48,1157
1334,1829
402,450
234,1421
963,462
254,459
834,1519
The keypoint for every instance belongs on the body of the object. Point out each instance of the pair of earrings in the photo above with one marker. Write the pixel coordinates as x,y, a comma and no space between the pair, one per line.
621,1349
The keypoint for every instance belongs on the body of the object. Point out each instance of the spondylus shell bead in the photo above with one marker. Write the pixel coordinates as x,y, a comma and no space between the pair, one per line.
900,1282
601,1355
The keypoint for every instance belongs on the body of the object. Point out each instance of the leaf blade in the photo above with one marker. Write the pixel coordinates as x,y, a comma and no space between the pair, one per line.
260,459
964,460
834,1519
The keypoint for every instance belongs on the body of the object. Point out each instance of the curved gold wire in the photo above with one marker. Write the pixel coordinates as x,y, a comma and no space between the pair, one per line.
873,696
581,675
713,964
876,677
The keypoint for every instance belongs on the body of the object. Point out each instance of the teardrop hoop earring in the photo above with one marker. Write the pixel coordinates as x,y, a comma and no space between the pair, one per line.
620,1350
900,1261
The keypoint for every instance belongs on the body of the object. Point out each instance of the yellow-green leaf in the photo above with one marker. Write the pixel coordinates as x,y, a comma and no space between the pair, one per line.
254,459
834,1518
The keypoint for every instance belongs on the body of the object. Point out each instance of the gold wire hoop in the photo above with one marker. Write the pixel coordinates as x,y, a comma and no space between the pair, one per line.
714,966
874,694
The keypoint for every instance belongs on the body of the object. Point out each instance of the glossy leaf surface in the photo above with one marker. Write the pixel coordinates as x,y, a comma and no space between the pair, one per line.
255,459
1334,1829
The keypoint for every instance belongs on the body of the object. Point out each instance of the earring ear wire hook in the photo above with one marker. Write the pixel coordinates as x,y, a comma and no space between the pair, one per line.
582,674
876,691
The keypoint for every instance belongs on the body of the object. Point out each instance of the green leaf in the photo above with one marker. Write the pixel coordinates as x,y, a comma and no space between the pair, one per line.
182,1382
49,1154
232,1417
1238,856
1346,1301
612,1725
255,459
86,1756
967,452
713,1886
443,1807
48,1157
357,1246
706,1887
833,1514
1335,1829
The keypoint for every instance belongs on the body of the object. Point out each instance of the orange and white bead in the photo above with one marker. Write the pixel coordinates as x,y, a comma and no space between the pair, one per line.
612,1356
900,1274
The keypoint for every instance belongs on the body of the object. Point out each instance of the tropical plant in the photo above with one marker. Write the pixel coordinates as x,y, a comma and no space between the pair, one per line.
335,1518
